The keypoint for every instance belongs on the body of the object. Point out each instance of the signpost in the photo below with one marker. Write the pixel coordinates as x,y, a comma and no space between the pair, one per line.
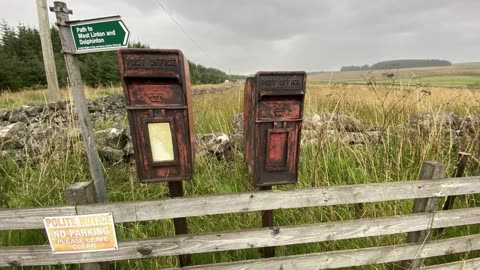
94,35
100,34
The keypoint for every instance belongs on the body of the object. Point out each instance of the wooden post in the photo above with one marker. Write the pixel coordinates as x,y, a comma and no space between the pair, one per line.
84,193
47,51
431,170
459,171
176,190
76,84
267,222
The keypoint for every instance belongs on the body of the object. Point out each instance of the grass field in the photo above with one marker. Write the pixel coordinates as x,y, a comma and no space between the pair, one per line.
456,76
398,158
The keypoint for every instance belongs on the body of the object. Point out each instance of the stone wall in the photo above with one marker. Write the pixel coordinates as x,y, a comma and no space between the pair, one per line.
36,128
60,114
27,132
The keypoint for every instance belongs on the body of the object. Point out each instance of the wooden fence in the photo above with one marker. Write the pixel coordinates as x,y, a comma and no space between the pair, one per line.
418,225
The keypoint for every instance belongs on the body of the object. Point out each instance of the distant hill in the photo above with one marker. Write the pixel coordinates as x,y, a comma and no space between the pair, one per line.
398,64
457,75
410,63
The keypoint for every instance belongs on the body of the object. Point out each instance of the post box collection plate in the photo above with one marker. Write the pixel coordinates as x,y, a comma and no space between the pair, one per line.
273,115
158,97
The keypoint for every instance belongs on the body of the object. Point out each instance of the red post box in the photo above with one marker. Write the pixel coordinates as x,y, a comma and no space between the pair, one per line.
273,114
158,97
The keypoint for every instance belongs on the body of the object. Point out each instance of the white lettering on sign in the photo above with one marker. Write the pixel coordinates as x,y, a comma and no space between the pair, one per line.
82,233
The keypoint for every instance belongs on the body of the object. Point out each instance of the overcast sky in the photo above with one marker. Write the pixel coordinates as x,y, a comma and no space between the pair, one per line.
248,36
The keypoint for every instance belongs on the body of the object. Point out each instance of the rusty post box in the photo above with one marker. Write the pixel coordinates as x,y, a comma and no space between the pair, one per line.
158,97
273,114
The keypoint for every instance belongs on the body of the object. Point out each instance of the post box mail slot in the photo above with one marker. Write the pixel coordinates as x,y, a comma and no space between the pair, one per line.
158,96
273,114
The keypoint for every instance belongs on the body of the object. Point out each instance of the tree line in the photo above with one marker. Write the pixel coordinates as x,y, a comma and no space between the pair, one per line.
397,64
22,62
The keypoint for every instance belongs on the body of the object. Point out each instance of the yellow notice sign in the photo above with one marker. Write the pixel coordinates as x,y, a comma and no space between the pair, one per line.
82,233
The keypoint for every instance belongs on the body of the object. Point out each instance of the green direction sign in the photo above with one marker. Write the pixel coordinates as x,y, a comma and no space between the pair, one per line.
102,34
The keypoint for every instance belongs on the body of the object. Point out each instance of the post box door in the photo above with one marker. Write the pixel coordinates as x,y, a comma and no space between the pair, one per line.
276,151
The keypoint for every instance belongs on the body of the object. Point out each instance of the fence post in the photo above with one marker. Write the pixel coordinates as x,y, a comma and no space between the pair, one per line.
461,165
83,193
431,170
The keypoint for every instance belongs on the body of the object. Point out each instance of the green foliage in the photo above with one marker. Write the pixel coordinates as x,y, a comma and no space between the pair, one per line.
22,62
41,181
355,68
203,75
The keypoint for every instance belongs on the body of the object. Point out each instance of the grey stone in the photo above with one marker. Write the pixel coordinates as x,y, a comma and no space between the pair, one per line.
112,137
4,114
31,111
63,104
111,154
428,120
471,123
375,137
129,149
95,108
41,132
13,136
237,123
54,106
237,142
215,144
17,155
18,116
333,121
354,138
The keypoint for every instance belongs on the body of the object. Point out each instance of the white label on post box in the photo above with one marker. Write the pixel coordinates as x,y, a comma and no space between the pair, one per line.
161,141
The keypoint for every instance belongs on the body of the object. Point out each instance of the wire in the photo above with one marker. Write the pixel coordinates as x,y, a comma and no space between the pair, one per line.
186,34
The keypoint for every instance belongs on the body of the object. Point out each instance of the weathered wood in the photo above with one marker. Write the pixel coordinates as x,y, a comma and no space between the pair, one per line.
84,192
472,264
42,255
180,224
462,160
430,171
267,221
79,99
47,51
31,218
81,193
348,258
256,238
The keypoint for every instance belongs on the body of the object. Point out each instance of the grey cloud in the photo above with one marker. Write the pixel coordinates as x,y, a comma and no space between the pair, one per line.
247,36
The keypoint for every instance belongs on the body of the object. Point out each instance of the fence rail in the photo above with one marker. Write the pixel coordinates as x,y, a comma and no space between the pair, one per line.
31,218
255,238
20,219
356,257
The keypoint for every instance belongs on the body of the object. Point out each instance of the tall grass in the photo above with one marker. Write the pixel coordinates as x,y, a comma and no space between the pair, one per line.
42,180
